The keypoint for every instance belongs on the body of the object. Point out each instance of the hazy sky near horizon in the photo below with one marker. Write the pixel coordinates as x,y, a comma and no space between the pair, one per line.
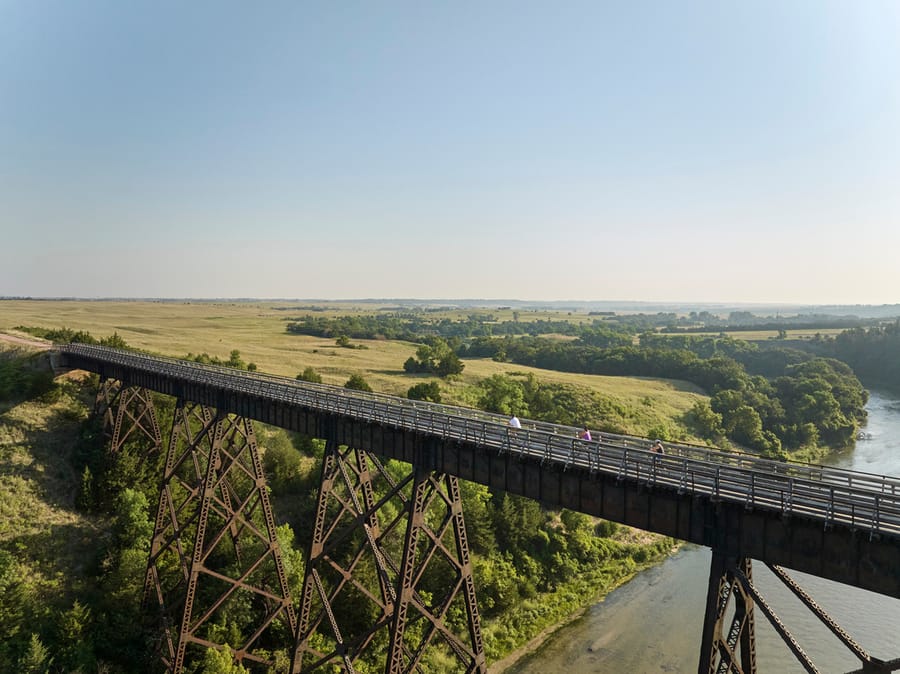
659,151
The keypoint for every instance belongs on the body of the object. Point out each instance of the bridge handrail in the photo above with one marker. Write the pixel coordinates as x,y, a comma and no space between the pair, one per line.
834,495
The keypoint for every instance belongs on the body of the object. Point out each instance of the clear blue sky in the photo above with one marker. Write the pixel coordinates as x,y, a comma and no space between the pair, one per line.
708,151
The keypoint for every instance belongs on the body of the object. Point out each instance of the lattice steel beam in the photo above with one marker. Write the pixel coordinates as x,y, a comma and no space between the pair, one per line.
358,603
215,563
127,413
733,649
730,577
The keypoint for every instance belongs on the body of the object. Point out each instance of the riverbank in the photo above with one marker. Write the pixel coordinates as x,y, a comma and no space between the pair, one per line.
653,623
579,596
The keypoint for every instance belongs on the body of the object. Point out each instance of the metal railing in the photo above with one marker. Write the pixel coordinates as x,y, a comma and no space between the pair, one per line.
862,500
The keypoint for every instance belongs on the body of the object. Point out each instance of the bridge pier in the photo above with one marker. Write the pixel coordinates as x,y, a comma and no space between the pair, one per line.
357,600
733,649
214,560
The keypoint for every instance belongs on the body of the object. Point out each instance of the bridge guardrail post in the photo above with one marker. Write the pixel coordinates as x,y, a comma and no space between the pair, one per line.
876,517
790,501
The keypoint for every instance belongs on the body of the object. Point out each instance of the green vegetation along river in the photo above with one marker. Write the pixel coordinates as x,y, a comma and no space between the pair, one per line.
653,623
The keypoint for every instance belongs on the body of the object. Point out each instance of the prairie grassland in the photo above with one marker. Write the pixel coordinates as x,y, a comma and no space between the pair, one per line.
257,330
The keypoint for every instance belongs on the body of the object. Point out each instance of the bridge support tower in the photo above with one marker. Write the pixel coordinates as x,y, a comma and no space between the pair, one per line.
215,571
388,577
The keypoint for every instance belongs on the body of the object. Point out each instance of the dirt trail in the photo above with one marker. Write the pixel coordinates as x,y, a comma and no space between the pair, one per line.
26,341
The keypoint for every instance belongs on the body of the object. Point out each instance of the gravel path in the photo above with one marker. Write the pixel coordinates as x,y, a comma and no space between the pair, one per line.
25,341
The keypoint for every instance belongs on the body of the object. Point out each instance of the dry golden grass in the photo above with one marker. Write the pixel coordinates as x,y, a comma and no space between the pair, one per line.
257,330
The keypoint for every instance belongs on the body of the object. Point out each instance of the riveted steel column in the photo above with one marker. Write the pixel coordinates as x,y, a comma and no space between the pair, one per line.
434,509
354,588
734,649
348,569
168,568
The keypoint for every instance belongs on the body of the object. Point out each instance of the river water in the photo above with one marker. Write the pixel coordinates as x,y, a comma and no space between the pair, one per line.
654,623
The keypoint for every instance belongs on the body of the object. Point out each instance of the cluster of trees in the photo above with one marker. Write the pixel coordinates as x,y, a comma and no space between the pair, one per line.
434,356
415,327
742,320
234,360
800,401
567,404
873,353
67,336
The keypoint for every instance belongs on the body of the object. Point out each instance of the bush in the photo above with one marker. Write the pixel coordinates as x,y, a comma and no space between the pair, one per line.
357,383
310,375
425,391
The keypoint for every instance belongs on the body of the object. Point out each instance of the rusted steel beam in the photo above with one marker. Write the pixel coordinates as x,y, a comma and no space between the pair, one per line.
732,650
776,622
214,552
127,413
368,517
868,661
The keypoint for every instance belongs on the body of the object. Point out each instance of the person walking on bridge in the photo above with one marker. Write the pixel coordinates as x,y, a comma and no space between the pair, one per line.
585,434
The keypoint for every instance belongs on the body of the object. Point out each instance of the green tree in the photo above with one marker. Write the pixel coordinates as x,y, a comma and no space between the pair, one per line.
430,391
85,499
75,646
706,423
36,659
358,383
132,526
114,341
221,662
502,394
449,364
283,464
310,375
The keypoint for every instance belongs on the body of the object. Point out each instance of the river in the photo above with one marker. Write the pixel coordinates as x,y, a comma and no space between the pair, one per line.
654,622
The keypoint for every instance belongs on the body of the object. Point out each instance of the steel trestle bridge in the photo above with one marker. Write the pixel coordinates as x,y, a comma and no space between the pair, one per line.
377,539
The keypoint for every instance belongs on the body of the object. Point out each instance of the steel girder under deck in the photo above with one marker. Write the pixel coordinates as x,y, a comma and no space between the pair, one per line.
358,601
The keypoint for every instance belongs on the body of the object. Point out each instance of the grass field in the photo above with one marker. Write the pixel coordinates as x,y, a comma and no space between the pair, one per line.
257,330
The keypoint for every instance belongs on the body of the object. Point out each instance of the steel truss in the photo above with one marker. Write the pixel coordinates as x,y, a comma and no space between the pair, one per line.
734,650
358,601
215,569
127,413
